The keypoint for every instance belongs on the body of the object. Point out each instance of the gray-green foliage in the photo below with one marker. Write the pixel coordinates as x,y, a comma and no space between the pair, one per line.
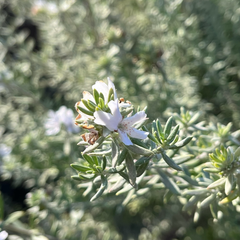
160,54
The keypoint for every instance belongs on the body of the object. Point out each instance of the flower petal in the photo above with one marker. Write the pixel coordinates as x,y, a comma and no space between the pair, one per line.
88,96
139,116
106,119
124,138
135,133
101,87
113,105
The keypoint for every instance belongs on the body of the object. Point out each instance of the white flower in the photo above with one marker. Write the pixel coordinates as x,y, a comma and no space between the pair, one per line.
63,116
103,88
124,126
3,235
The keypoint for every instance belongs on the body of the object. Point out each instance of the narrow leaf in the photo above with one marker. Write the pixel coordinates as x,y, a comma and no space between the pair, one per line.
139,150
96,96
182,143
85,111
115,152
207,201
80,168
131,169
170,162
173,134
229,184
142,168
102,188
168,127
169,183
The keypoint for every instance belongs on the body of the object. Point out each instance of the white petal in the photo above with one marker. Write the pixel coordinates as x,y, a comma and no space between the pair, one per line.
101,87
135,133
105,119
113,105
88,96
111,85
140,116
124,138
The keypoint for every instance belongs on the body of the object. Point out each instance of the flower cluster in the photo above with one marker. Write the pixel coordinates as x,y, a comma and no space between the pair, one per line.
103,110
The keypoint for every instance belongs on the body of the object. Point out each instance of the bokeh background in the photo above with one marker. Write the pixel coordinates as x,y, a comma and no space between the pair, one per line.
164,54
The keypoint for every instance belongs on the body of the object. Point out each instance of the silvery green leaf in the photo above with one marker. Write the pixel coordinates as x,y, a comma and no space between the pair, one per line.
173,134
169,183
80,168
77,178
191,202
206,202
82,143
182,143
141,168
13,217
150,136
142,160
178,160
234,140
88,159
118,185
122,156
214,209
124,175
103,163
102,188
128,197
170,162
132,174
115,152
159,129
95,145
212,170
188,179
101,153
199,191
86,177
156,134
229,184
139,150
197,213
194,118
142,191
139,142
168,127
116,169
237,153
125,189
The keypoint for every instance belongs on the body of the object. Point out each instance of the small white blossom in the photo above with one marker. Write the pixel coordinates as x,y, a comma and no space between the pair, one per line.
3,235
103,88
124,126
63,116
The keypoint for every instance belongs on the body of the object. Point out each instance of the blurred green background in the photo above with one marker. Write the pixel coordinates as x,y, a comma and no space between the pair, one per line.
161,53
